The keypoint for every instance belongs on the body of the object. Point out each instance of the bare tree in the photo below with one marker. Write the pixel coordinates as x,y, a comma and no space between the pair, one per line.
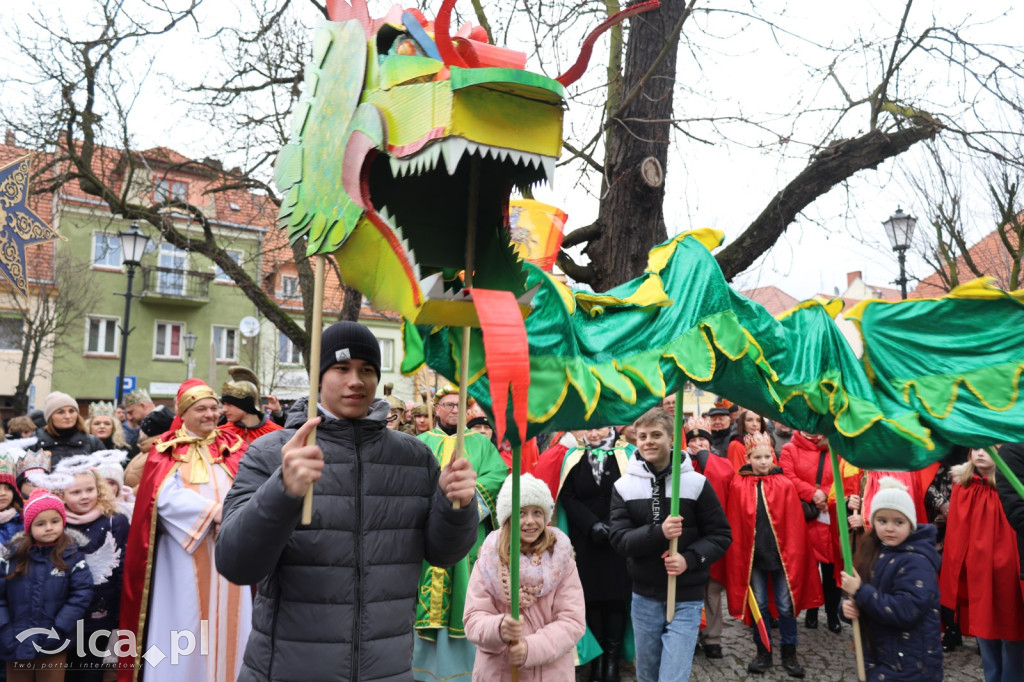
953,248
52,315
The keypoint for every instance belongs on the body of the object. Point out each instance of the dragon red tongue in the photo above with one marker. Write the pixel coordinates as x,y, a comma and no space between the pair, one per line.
508,356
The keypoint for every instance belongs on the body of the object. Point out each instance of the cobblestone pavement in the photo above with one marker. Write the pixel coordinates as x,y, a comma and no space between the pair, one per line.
826,657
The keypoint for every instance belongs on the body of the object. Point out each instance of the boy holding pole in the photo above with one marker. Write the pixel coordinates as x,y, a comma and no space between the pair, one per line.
641,530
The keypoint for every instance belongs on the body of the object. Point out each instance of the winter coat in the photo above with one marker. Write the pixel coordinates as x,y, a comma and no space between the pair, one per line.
336,598
10,529
106,599
45,597
980,562
800,464
602,570
1013,503
640,502
900,608
719,473
66,444
551,611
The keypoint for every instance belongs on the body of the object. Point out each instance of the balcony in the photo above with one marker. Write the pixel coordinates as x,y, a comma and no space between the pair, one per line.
179,287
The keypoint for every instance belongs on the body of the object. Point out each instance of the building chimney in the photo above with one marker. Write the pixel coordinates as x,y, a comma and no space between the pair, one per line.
9,139
851,276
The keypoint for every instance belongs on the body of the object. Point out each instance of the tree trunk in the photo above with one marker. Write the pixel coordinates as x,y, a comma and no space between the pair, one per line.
351,305
630,217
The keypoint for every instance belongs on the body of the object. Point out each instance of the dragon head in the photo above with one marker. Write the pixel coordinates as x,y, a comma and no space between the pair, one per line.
398,120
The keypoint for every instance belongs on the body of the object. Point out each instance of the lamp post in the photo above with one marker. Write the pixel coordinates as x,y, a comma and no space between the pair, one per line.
133,245
190,345
900,228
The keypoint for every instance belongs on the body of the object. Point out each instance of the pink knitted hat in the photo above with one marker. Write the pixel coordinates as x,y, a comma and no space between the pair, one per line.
40,500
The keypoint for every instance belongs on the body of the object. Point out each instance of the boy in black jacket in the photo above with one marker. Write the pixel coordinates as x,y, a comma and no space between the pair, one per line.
641,529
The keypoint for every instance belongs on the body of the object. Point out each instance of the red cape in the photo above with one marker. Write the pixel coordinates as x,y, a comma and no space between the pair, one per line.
227,450
719,473
790,536
981,566
247,434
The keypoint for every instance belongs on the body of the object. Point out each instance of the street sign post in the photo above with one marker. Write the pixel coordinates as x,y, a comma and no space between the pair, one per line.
128,385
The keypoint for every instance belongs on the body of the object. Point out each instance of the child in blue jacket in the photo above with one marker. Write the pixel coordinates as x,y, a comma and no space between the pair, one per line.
46,586
898,599
10,500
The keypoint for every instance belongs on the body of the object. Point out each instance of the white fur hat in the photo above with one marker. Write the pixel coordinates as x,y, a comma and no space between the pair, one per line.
532,493
892,494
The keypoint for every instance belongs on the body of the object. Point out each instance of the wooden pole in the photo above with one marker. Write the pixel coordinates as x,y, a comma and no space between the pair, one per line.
314,371
515,541
474,191
673,544
844,544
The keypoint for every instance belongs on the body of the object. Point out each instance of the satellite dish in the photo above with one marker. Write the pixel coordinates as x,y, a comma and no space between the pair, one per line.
249,326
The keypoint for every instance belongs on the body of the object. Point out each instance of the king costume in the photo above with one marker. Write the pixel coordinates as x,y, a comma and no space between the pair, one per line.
441,650
170,578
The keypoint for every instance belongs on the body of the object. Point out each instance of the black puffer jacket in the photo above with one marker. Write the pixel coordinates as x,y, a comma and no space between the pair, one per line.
641,501
67,444
336,599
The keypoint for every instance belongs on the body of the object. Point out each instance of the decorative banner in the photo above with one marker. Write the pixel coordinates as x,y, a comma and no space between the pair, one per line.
19,225
537,230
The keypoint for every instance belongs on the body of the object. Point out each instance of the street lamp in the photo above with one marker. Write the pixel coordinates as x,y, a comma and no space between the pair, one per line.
133,245
900,228
190,345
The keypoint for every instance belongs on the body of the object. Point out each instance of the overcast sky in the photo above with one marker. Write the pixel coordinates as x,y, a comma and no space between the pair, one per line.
746,68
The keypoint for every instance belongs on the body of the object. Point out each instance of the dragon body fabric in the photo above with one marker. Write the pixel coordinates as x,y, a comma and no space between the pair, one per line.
399,119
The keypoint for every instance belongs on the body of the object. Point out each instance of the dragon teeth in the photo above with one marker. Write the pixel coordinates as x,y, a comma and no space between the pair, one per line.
549,169
453,149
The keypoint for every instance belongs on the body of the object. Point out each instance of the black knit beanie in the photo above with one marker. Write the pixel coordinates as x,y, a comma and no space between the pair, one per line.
348,341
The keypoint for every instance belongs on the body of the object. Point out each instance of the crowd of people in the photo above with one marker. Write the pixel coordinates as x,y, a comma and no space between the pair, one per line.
140,528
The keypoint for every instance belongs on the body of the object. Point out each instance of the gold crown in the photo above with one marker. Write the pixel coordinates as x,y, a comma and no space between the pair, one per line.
754,441
33,459
698,424
101,409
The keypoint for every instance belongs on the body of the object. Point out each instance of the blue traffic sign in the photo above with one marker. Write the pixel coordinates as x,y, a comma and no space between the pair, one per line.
127,385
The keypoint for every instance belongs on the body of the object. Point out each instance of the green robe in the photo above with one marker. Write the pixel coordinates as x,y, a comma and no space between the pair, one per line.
442,592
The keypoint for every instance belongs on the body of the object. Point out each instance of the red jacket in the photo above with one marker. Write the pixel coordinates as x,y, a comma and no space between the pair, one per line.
719,473
790,536
800,464
980,564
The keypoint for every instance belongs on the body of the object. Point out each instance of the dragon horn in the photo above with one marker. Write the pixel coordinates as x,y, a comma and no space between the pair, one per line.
442,36
343,10
576,70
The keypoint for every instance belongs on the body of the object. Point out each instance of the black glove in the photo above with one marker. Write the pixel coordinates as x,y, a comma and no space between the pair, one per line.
599,533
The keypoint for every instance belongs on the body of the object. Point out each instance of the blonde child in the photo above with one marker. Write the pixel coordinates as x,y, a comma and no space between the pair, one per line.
46,585
93,512
542,641
981,571
895,590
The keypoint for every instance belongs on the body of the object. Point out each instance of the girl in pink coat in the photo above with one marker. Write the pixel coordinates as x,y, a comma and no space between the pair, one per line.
542,642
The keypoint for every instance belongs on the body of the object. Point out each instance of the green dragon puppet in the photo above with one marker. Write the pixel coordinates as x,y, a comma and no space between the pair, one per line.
399,120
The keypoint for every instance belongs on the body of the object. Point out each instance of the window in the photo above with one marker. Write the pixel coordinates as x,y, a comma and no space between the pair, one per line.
289,287
11,329
288,353
102,336
173,258
106,250
168,340
387,355
175,189
226,340
220,275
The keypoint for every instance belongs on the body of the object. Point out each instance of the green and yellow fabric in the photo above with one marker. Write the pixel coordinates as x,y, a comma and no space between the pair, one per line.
935,373
442,591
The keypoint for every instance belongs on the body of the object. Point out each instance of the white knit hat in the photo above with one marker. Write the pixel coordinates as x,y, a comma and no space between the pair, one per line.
55,401
892,494
532,493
